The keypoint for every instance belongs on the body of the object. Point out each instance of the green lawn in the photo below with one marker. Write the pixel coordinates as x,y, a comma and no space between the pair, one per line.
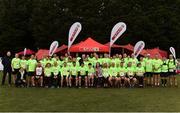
92,100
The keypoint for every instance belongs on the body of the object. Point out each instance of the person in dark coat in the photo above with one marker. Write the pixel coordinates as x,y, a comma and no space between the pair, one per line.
6,61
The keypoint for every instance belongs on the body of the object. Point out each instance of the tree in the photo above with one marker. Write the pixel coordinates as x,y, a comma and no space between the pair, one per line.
36,23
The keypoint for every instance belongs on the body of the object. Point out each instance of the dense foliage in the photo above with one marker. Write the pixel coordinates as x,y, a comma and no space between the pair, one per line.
36,23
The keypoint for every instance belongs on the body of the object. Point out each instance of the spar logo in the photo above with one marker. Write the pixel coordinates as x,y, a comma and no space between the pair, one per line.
74,33
117,32
139,48
89,49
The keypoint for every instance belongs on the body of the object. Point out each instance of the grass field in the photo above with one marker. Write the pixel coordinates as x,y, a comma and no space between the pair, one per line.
91,100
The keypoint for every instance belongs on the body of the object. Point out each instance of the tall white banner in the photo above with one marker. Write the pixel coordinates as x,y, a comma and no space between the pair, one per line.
53,48
173,52
138,48
117,31
73,33
25,50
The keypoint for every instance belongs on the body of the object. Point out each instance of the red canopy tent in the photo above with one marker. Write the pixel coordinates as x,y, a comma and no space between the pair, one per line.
42,53
61,48
131,48
28,52
113,46
89,45
163,53
128,47
157,51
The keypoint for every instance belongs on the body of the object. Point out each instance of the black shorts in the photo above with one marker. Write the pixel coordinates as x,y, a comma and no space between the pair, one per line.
15,71
164,74
105,79
148,74
30,73
82,76
64,76
156,73
171,73
73,76
138,77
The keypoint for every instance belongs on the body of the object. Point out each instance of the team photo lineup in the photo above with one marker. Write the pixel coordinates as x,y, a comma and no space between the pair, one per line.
89,56
91,71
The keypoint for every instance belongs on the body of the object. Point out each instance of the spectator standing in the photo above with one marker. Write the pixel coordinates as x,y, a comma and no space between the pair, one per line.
6,61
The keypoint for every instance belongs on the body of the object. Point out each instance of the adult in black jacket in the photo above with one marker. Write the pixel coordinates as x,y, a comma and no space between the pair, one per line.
6,61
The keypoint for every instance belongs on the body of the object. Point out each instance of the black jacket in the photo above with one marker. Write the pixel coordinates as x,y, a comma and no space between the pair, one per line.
6,61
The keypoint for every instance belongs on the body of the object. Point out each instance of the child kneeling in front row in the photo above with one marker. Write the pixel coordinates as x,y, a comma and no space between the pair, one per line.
21,78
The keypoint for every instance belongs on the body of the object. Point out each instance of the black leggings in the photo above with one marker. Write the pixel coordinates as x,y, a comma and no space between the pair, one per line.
100,81
55,81
141,80
4,77
47,81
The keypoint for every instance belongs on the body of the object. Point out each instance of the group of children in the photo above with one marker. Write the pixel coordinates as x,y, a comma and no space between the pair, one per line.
94,71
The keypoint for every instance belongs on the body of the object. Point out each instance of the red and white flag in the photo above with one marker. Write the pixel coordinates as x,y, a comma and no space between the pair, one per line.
138,48
173,52
25,50
117,31
53,48
73,33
